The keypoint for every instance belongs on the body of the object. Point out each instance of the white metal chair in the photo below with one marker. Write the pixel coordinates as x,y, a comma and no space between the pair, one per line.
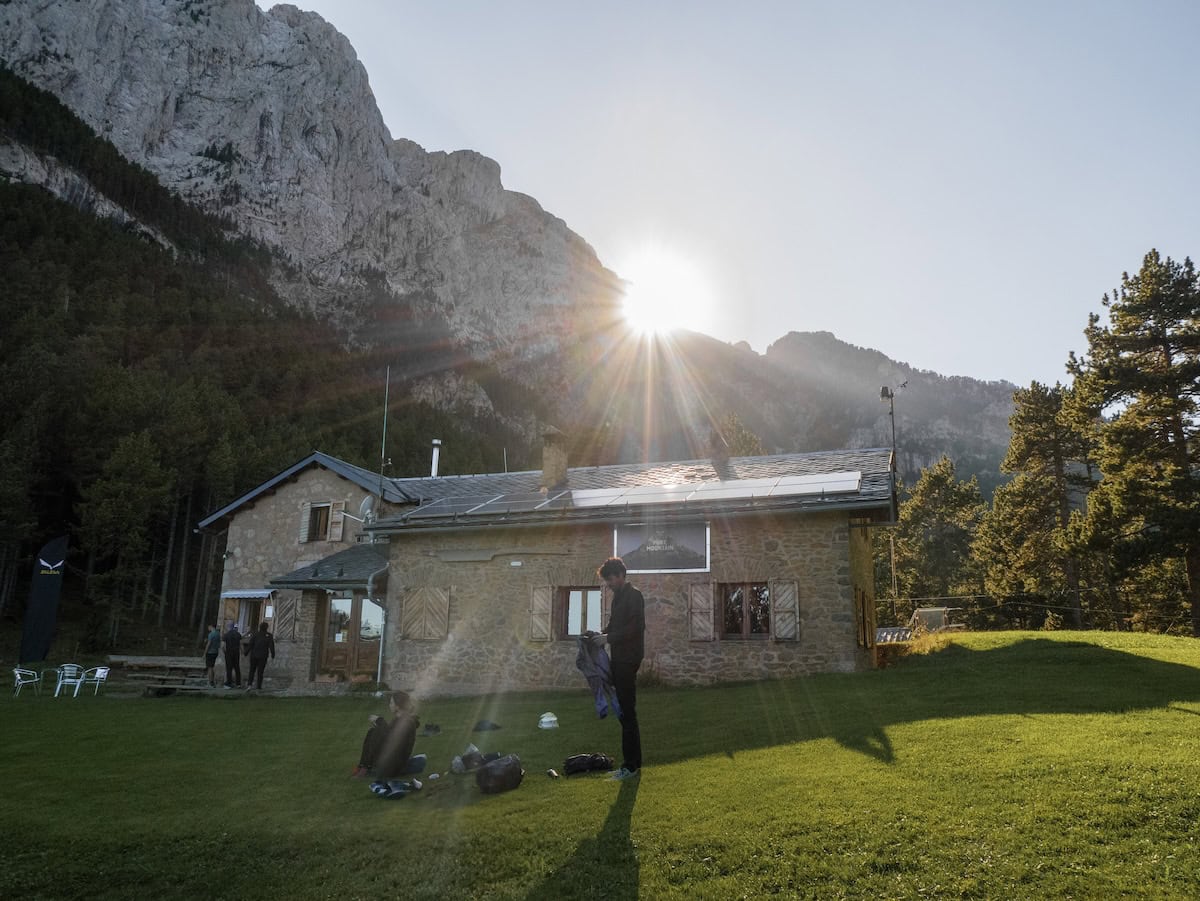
23,677
69,674
96,676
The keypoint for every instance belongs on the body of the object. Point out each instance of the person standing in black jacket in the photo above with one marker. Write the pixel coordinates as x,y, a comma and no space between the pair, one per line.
626,647
261,644
233,656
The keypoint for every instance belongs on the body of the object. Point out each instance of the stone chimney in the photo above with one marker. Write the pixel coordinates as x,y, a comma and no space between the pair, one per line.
554,459
718,451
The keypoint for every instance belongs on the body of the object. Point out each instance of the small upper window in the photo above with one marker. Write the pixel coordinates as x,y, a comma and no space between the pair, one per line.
318,522
745,610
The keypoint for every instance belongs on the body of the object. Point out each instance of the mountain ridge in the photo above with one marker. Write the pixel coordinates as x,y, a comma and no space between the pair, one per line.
514,287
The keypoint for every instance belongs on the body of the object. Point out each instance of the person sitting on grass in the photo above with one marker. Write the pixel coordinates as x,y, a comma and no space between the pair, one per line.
387,749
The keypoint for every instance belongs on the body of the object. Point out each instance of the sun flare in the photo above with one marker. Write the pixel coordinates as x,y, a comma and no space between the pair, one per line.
665,290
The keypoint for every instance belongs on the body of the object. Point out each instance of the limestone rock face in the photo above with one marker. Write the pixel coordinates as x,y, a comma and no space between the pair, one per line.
268,118
22,165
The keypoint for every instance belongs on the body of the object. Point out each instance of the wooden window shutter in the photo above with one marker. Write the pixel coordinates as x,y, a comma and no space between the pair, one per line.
285,619
701,625
336,519
425,614
305,516
412,611
437,612
785,611
606,596
541,606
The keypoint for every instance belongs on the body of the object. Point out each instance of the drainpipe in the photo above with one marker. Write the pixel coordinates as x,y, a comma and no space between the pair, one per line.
383,626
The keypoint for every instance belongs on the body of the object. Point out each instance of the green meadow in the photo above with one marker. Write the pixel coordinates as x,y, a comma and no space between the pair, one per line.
998,765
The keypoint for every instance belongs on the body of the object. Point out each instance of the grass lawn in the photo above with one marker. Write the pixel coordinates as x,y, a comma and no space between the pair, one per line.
1003,765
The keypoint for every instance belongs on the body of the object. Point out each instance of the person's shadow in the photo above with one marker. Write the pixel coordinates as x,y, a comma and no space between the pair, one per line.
603,866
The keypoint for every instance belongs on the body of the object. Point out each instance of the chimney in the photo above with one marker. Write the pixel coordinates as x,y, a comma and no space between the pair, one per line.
554,458
718,450
437,453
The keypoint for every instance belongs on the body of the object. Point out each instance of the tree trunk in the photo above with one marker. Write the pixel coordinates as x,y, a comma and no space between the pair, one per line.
201,580
1192,560
8,564
181,585
1070,569
148,588
166,579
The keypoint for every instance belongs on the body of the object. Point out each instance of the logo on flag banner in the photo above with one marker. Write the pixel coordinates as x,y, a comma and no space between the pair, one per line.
42,614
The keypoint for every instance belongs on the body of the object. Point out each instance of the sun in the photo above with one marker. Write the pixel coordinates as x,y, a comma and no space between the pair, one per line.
665,290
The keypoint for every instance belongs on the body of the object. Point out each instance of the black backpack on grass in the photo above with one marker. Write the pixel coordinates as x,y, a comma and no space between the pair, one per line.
587,763
501,775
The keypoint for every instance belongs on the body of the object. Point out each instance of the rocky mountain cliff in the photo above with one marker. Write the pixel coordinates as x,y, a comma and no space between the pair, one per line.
268,118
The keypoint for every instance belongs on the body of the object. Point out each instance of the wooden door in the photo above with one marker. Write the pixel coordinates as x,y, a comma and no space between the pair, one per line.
353,631
367,636
338,641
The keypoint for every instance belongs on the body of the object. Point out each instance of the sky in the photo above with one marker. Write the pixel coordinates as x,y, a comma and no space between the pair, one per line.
954,184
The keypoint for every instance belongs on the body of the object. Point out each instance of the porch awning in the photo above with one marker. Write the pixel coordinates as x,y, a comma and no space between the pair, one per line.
248,593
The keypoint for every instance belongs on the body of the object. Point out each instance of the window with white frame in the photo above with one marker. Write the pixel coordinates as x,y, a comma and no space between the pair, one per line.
579,611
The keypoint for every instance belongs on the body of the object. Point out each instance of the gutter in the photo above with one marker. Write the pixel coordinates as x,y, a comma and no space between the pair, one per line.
463,524
383,626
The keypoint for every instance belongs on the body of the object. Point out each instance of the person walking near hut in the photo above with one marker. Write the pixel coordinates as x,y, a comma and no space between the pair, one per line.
626,646
212,647
262,645
233,656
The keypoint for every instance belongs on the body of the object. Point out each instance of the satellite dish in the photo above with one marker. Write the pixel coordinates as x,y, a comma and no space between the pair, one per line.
367,508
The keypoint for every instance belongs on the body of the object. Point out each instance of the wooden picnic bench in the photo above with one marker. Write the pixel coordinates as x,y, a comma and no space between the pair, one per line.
163,675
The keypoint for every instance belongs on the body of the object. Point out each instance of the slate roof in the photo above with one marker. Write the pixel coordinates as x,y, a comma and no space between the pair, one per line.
873,463
344,570
364,478
874,492
631,475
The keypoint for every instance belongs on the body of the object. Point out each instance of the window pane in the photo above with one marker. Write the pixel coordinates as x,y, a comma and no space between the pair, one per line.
339,619
732,595
575,612
593,609
370,625
759,603
318,523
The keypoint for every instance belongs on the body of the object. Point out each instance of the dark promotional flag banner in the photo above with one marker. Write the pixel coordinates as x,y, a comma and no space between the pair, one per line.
42,613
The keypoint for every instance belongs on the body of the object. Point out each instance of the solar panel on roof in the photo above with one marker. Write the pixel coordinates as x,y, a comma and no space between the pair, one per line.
654,494
518,502
450,506
824,483
728,494
594,497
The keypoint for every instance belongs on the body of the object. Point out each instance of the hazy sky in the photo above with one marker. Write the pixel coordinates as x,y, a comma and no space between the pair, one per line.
953,183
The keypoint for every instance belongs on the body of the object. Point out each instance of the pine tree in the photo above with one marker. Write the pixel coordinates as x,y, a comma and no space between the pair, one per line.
937,524
1143,368
1024,546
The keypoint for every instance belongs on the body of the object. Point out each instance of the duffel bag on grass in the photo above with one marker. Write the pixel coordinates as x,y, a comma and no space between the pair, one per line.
500,775
587,763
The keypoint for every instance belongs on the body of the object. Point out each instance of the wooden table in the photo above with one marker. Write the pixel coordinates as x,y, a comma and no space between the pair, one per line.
163,675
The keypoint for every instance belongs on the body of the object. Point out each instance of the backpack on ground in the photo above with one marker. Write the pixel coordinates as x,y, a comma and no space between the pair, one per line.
500,775
586,763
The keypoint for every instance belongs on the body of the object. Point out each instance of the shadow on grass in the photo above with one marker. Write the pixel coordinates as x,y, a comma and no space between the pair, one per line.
603,866
1029,677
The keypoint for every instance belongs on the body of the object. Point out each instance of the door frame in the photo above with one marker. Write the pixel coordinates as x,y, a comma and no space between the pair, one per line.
355,656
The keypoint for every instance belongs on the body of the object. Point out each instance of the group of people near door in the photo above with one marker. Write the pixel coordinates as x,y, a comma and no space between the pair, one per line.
259,648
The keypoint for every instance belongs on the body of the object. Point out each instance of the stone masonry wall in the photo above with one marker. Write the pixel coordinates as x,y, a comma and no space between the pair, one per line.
263,543
487,646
